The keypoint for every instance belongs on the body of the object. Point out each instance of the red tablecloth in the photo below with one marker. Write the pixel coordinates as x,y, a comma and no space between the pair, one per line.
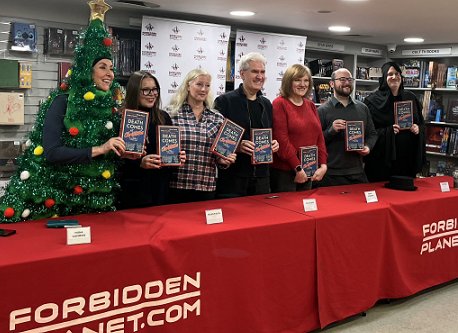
164,266
270,267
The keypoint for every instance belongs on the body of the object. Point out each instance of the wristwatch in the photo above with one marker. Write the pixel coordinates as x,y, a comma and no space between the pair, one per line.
298,168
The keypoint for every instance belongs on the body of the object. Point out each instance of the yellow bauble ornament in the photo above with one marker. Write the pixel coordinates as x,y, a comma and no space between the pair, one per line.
38,151
106,174
89,96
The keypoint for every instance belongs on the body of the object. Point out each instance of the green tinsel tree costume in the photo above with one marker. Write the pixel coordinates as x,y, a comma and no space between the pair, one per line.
40,189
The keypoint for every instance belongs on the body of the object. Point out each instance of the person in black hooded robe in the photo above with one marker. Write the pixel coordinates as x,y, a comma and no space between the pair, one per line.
396,152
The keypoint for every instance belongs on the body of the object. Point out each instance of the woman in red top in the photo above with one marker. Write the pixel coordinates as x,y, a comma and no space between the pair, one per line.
296,124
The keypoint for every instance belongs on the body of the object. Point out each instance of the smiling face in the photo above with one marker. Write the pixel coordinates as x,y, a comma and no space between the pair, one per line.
103,74
300,86
149,93
393,79
342,83
198,89
254,77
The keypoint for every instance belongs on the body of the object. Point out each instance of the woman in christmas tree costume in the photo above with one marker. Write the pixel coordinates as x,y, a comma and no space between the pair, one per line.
71,154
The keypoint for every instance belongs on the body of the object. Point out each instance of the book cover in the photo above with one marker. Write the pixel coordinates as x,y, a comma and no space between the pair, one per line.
434,137
451,77
309,159
227,139
354,135
403,114
25,75
262,138
24,37
452,111
134,129
54,41
70,41
169,144
11,108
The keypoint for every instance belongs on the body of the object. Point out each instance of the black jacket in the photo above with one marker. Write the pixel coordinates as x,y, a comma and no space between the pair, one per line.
145,187
234,106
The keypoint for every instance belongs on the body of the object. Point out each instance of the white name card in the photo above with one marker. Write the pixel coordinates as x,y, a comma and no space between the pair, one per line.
371,196
444,187
79,235
214,216
310,205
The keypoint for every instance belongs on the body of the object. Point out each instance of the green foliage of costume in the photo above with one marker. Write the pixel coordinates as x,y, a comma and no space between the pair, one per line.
40,189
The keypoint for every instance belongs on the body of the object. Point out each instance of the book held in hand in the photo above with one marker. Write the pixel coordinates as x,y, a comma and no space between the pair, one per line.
403,114
134,129
309,159
227,139
354,135
262,138
169,145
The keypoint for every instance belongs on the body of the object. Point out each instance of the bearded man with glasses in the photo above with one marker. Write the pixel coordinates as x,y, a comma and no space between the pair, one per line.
344,167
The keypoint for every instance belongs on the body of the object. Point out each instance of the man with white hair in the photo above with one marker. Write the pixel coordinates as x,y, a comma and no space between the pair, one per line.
247,107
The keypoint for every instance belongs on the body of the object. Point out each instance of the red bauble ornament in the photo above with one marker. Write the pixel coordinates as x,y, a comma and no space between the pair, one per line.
107,41
64,86
77,190
49,203
73,131
8,213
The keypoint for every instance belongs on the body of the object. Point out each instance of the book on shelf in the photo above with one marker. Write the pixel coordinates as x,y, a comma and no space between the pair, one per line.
411,72
24,37
434,137
323,92
318,66
54,41
375,73
452,111
362,73
451,77
426,100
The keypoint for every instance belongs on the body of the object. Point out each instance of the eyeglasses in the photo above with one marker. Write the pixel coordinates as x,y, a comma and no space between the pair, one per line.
343,79
150,91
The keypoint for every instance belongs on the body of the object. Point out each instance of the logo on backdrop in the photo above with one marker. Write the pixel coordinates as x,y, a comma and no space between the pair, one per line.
262,44
200,36
282,62
281,46
176,34
242,41
174,85
199,55
149,50
148,31
175,52
438,236
133,308
175,71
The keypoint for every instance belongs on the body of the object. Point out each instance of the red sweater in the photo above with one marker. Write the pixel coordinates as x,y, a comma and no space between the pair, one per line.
294,127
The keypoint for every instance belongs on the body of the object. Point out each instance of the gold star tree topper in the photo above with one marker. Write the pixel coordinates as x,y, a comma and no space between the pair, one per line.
98,9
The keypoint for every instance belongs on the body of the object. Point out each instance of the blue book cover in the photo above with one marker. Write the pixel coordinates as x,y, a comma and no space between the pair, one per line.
309,159
134,129
403,114
262,138
227,139
24,37
169,145
354,135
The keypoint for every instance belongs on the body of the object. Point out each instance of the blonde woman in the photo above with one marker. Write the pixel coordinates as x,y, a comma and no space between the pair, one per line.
191,109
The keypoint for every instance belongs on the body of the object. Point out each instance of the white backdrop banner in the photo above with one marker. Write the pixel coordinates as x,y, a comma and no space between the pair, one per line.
280,51
172,48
